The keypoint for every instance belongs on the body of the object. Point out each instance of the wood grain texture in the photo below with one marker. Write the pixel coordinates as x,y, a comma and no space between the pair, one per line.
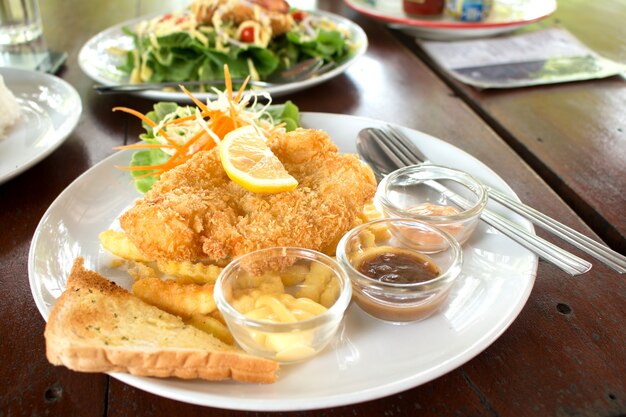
572,134
563,356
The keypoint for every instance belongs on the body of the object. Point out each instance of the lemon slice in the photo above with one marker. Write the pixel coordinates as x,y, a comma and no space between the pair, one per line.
249,162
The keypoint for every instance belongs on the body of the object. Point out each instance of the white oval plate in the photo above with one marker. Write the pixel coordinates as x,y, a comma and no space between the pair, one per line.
99,65
50,109
507,15
368,359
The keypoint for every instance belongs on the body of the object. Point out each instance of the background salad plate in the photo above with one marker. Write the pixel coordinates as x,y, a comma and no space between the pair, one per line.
101,66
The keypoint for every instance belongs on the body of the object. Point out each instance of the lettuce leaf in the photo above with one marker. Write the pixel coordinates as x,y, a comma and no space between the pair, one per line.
146,157
287,113
180,56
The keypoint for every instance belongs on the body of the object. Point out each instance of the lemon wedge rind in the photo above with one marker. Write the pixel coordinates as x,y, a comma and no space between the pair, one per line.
249,162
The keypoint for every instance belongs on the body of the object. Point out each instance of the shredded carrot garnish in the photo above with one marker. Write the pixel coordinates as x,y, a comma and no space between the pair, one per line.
143,117
197,102
229,83
243,87
148,121
181,120
215,123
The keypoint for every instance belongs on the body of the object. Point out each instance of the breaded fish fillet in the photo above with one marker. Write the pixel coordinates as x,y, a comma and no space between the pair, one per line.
196,212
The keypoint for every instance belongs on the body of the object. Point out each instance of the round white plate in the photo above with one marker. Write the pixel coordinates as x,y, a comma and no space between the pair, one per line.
50,109
506,15
102,67
368,359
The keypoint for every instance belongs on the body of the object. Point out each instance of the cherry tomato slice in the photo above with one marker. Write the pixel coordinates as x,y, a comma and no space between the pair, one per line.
247,35
298,15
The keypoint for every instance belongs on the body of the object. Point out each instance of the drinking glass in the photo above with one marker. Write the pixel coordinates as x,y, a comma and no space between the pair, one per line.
20,21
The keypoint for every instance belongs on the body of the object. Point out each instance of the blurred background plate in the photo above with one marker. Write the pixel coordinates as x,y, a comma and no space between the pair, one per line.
50,109
102,67
507,15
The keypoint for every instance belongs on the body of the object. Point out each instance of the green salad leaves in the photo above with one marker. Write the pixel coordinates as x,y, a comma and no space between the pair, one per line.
287,114
200,53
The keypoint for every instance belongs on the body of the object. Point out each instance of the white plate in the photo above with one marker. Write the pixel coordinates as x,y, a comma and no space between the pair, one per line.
50,109
369,359
95,60
506,15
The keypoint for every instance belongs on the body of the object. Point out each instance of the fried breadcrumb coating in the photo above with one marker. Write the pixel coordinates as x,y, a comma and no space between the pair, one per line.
196,212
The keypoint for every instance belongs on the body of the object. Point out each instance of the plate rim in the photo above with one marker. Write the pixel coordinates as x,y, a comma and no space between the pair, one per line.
152,385
274,91
69,124
434,24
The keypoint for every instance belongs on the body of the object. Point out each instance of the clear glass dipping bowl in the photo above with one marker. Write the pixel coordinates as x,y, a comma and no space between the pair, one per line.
415,192
260,296
396,301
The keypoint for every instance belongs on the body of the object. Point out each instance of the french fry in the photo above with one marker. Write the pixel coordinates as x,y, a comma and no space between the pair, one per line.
217,315
198,272
212,326
139,270
367,238
380,231
117,262
184,300
370,212
119,245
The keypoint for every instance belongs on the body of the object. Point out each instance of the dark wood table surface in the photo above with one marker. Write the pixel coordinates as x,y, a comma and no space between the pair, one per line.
565,353
572,134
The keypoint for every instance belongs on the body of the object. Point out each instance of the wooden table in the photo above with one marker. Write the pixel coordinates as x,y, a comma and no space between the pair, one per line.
563,356
571,134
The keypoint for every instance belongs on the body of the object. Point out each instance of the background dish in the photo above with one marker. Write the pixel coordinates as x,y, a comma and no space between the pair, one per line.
494,285
101,66
50,109
507,15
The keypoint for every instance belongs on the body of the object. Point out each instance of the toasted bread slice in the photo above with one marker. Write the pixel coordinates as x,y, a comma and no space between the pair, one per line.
97,326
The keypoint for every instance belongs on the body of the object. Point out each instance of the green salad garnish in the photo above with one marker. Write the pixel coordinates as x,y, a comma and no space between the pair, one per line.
174,133
195,44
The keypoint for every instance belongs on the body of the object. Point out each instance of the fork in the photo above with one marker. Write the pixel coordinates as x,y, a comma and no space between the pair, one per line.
601,252
401,153
403,147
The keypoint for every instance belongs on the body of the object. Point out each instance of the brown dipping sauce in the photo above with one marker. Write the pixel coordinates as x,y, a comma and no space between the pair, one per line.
398,266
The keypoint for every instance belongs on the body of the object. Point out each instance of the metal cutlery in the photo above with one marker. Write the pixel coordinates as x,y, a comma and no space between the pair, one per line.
304,70
599,251
382,150
132,88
